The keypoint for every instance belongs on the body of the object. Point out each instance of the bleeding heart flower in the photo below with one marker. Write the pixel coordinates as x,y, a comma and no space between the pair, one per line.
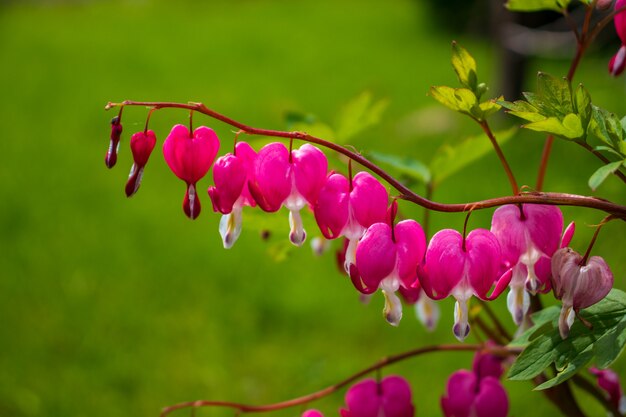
389,398
141,145
618,62
231,175
114,143
578,283
471,395
528,234
291,180
190,157
462,268
312,413
347,208
387,257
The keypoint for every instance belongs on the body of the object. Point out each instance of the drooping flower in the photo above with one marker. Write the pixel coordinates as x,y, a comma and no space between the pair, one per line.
291,180
190,157
462,268
476,393
578,283
389,398
618,62
528,234
141,146
387,257
114,143
348,207
608,380
426,310
231,175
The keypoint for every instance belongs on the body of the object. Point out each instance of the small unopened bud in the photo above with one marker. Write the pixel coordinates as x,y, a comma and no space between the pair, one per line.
116,133
141,145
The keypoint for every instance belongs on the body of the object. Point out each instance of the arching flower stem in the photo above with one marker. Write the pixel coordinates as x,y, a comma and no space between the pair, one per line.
560,199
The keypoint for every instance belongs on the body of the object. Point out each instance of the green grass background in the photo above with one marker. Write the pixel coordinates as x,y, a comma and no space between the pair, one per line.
117,307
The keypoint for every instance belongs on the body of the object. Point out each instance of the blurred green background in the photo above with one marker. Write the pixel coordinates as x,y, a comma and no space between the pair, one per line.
118,307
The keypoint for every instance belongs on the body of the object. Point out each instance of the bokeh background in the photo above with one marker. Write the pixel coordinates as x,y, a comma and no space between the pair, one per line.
118,307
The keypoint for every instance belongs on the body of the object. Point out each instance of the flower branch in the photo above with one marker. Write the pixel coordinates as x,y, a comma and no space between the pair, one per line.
407,194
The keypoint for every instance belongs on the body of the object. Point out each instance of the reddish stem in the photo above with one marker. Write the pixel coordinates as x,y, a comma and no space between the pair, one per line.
245,408
505,164
604,221
405,193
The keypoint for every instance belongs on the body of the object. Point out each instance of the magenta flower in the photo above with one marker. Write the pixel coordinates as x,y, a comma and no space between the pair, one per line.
389,398
114,143
618,62
528,242
231,175
578,283
387,257
608,380
291,180
141,146
347,208
469,394
190,157
462,268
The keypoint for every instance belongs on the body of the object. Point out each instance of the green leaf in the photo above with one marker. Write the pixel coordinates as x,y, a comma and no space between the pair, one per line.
535,5
582,100
523,110
603,173
570,127
464,66
490,107
604,341
450,159
358,115
412,168
555,94
608,128
461,100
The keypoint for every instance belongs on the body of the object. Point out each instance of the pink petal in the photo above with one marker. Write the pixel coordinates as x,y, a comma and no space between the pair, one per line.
190,157
491,400
312,413
545,225
594,283
141,146
271,180
368,199
608,380
331,208
486,364
376,254
484,260
309,170
114,143
620,21
396,397
191,203
362,399
568,235
230,177
444,264
410,246
244,152
460,394
618,62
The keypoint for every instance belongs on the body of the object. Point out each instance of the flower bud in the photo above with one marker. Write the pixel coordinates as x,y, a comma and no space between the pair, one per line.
114,144
578,284
141,145
603,5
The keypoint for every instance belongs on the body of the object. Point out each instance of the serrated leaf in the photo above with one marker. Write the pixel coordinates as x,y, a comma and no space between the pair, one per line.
583,344
523,110
412,168
358,115
462,100
607,127
570,127
535,5
450,159
490,107
582,99
603,173
555,94
465,67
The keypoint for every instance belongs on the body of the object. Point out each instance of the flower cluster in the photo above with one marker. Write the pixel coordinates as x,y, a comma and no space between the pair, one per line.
525,249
